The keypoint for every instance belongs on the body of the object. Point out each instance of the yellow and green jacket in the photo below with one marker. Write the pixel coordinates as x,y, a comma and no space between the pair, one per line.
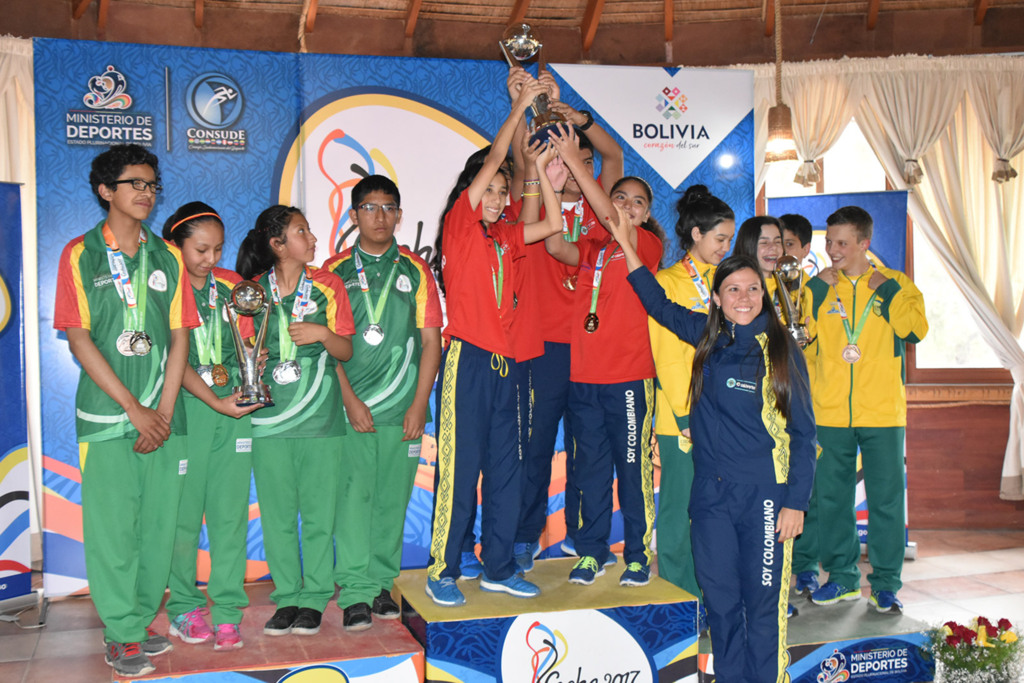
673,358
871,391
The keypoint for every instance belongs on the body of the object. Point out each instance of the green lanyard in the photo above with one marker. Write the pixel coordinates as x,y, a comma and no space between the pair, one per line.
374,312
853,334
599,275
208,342
134,316
498,279
303,292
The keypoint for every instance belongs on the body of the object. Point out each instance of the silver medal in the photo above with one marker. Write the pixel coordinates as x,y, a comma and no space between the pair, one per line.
206,372
287,372
373,334
124,344
141,344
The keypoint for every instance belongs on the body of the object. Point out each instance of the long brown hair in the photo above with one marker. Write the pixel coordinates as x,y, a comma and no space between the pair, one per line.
780,343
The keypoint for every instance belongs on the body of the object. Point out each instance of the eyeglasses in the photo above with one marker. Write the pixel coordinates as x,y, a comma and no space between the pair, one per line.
140,185
372,208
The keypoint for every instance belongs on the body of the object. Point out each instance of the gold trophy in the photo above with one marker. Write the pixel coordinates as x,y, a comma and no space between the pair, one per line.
787,279
247,299
519,43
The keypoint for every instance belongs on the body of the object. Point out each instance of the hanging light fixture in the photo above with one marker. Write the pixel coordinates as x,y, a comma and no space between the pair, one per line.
780,146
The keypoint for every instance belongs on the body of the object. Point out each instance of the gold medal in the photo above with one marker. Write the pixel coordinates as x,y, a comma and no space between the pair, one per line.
569,282
219,373
590,323
851,353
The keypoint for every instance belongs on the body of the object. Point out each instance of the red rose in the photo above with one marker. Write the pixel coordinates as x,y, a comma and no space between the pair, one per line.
952,625
1005,625
953,641
982,621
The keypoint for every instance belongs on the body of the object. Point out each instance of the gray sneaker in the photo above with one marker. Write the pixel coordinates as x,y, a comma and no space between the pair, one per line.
128,660
156,644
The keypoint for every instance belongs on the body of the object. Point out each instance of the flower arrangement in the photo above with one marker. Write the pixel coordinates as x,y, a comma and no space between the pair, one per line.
978,653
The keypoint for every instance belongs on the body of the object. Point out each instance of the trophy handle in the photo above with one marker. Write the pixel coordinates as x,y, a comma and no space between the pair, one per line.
512,61
791,317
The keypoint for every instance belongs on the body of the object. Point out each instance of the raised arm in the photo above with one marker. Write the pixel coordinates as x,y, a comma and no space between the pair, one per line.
567,145
604,144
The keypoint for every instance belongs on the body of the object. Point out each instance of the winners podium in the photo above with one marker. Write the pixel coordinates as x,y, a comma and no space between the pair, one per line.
568,634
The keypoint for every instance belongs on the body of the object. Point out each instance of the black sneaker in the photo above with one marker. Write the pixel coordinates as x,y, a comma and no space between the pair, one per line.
385,607
307,623
156,644
357,617
128,659
281,623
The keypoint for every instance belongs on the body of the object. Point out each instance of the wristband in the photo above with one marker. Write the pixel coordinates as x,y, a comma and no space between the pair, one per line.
590,120
531,194
531,182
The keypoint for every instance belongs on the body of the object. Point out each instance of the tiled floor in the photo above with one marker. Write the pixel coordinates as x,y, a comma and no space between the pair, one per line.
957,575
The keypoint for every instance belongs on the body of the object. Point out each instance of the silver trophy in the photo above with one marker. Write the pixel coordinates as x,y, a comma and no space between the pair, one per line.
247,299
518,44
787,278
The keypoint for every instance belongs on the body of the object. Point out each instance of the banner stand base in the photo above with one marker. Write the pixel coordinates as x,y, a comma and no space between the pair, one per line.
12,607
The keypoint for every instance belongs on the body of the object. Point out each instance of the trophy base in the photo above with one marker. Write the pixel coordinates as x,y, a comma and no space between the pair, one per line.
253,395
545,131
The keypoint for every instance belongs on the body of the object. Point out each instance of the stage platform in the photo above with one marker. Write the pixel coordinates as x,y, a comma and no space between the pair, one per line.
385,653
570,633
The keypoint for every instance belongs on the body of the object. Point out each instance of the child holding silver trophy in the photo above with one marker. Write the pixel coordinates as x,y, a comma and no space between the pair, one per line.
297,442
219,444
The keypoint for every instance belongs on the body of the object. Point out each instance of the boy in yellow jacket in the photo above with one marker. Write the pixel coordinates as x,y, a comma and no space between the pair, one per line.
863,316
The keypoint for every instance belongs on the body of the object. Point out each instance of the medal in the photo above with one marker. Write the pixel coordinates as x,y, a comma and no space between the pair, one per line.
851,353
205,372
373,334
141,343
124,344
219,374
287,372
569,282
590,323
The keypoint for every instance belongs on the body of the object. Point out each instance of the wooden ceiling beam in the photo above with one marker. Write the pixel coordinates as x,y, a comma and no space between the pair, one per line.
411,16
591,18
200,8
79,8
873,13
519,10
311,15
670,19
980,8
768,16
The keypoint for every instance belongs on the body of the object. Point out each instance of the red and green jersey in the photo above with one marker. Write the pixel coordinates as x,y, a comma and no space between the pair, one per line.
224,353
307,408
384,376
88,298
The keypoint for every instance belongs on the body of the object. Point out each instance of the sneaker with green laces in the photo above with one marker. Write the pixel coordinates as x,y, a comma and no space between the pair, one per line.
585,571
833,592
636,574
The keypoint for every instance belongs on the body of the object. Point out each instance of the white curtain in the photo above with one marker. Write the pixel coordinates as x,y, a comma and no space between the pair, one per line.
975,225
998,99
18,165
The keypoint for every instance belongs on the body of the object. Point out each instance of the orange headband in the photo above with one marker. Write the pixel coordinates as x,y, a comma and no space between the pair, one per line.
193,217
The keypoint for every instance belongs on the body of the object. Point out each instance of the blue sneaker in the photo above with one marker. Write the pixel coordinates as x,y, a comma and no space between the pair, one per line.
585,571
470,567
807,582
611,560
569,547
525,554
444,592
832,592
514,585
886,602
792,611
636,574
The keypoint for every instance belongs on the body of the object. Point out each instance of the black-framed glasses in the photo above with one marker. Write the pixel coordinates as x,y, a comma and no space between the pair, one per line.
140,185
371,209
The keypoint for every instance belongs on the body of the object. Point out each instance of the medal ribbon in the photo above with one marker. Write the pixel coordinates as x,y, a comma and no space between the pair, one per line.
134,307
497,279
374,312
208,342
302,295
853,334
599,274
698,280
577,219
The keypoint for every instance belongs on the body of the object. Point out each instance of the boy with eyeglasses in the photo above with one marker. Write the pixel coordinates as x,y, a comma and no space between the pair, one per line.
124,304
386,390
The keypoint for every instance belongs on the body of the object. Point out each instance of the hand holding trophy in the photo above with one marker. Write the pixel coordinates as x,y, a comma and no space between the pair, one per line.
787,277
247,299
519,43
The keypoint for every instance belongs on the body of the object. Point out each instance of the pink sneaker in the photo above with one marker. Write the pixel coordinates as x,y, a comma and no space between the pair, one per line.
191,627
228,637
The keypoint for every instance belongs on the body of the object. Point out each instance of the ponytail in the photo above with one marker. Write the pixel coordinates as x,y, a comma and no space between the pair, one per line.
255,255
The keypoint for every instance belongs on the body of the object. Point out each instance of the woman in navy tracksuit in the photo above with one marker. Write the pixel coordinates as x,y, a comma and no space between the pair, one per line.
753,436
